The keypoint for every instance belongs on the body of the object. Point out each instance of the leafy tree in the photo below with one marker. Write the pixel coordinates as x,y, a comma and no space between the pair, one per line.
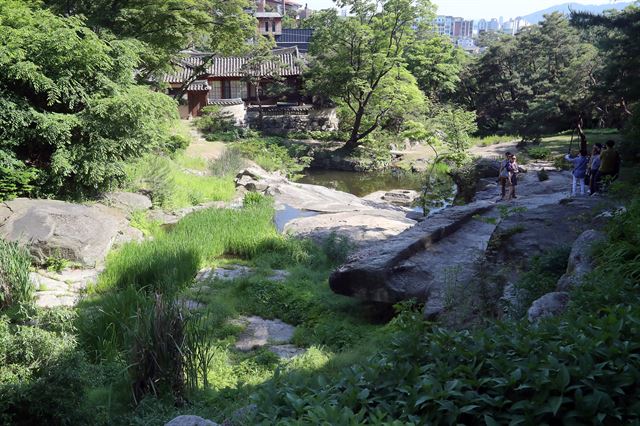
166,26
617,36
261,64
68,104
436,63
354,58
537,82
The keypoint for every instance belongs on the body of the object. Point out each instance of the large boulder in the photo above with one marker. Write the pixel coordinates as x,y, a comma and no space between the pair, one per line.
549,305
188,420
76,232
580,260
360,227
127,201
402,267
337,212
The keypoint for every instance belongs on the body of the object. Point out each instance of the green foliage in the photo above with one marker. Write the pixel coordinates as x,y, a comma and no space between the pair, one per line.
536,82
140,220
15,178
214,120
164,28
72,116
170,187
228,164
359,62
56,263
16,288
539,152
272,154
541,277
453,126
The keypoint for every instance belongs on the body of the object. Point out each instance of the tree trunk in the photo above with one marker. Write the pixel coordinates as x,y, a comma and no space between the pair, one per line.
583,137
354,139
260,114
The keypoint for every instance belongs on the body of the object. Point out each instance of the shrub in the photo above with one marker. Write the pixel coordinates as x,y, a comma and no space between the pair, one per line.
272,154
214,120
539,152
177,143
15,285
543,175
228,164
15,178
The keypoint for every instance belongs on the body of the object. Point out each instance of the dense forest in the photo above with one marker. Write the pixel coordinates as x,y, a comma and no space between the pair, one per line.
84,112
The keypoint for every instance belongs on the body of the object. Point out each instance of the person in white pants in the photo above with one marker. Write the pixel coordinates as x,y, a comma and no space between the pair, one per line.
579,170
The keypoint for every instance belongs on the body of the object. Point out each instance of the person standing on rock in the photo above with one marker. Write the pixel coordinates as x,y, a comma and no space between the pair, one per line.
503,175
579,170
609,163
513,169
592,169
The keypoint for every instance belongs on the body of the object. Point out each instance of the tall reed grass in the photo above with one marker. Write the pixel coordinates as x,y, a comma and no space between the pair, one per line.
15,286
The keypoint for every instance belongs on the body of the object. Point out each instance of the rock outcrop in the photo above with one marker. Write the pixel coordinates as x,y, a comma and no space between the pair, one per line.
443,253
189,420
359,219
549,305
76,232
580,260
127,201
403,266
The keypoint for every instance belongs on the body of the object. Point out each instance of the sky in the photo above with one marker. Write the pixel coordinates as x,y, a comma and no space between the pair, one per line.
476,9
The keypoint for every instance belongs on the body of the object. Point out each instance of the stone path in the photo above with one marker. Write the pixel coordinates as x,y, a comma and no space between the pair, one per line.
61,288
272,334
422,261
232,272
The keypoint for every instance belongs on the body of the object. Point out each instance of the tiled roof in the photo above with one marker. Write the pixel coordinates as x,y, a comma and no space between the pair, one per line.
199,85
231,66
234,101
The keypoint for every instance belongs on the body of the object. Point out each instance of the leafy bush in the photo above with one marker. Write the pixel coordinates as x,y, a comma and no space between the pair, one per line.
228,164
543,175
15,285
15,178
171,187
213,120
272,154
539,152
541,277
579,368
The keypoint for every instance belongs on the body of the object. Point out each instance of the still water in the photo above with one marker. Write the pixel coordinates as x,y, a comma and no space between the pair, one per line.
363,183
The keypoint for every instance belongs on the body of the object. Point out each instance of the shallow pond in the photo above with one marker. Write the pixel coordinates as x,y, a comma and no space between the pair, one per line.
362,183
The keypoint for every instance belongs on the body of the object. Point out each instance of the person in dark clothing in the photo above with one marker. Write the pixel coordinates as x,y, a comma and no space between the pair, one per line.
592,170
503,174
609,164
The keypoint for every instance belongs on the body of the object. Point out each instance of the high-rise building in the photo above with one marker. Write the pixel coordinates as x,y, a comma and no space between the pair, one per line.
453,27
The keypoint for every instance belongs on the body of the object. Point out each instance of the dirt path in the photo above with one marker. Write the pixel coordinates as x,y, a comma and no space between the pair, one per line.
200,147
493,151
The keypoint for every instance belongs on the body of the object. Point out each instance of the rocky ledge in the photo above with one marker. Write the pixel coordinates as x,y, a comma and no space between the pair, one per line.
359,219
449,247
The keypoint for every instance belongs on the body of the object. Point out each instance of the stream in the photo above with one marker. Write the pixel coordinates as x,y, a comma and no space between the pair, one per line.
361,184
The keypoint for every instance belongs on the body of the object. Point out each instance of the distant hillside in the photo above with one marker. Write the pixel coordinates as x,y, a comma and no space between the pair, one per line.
536,17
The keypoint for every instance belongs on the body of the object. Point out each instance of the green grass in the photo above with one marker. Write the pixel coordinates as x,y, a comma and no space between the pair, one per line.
171,187
494,139
560,143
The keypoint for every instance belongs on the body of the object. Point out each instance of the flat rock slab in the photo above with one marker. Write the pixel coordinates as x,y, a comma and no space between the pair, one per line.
189,420
287,351
399,197
386,272
51,228
233,272
260,332
359,226
61,288
127,201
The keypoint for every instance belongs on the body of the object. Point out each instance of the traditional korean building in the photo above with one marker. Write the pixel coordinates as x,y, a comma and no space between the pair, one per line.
221,82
